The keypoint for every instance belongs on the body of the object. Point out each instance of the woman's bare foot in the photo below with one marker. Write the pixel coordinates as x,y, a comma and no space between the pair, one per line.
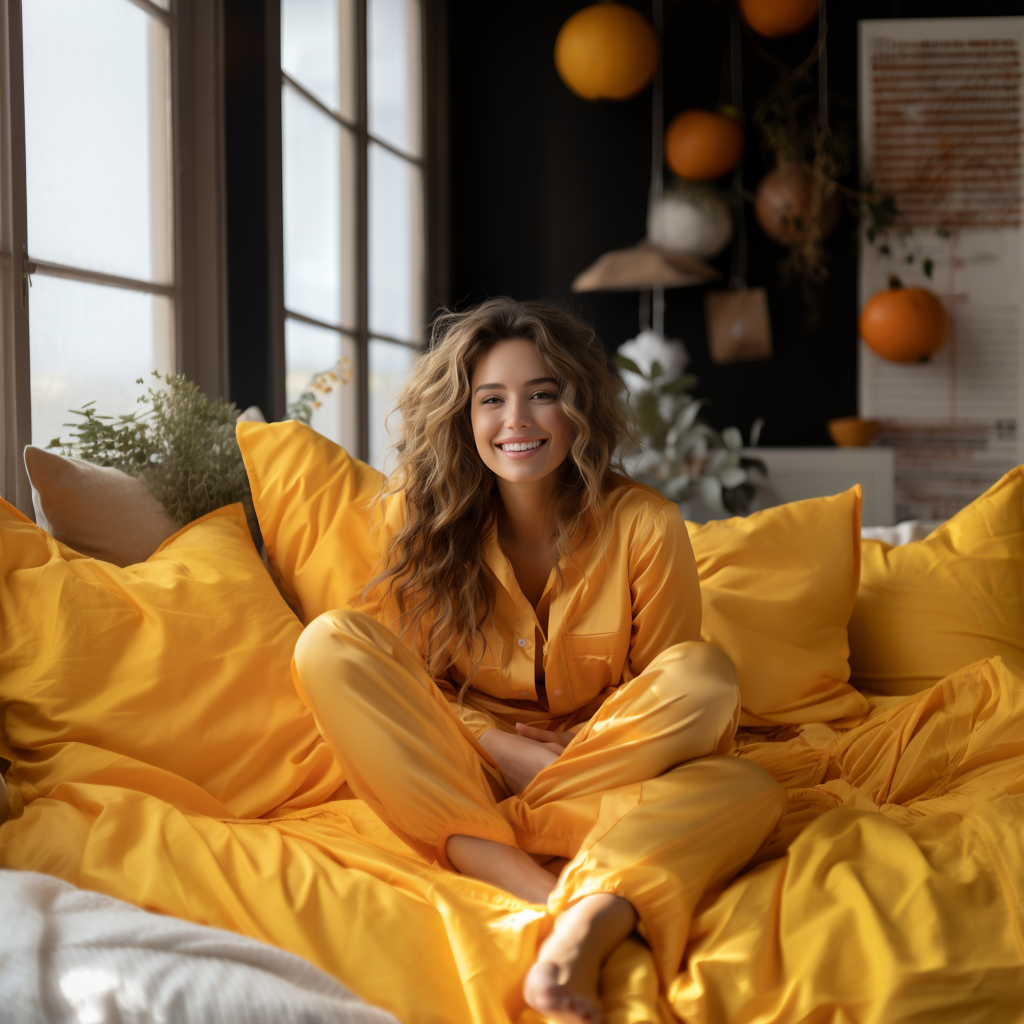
507,867
563,983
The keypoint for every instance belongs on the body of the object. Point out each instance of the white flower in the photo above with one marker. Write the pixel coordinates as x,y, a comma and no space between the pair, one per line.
669,407
648,348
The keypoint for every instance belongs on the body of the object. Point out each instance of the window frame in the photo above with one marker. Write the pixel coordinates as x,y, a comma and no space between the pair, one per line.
197,160
433,171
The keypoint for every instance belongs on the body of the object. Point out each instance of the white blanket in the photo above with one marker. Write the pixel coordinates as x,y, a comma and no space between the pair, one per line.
68,956
902,533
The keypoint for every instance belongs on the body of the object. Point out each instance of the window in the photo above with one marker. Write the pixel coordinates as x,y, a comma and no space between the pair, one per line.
91,252
100,203
353,206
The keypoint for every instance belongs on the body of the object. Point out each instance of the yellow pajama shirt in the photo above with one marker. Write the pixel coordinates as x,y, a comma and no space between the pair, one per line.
641,802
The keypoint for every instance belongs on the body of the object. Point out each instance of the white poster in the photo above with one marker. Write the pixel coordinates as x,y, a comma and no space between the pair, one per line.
941,132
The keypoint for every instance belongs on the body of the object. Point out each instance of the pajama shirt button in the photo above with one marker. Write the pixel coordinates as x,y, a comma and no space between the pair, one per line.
522,641
558,693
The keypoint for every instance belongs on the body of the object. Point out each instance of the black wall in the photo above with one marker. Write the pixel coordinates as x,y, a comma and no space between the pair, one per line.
542,183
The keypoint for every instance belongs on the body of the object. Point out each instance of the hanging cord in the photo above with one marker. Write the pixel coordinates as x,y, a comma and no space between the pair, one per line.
658,155
822,69
658,113
738,277
823,142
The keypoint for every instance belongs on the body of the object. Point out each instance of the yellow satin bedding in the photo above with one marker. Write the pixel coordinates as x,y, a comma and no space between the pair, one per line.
896,889
160,764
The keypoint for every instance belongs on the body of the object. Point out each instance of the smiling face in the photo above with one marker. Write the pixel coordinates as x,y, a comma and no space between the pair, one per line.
520,430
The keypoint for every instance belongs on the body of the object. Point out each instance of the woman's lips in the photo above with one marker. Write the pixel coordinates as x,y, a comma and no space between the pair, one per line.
522,455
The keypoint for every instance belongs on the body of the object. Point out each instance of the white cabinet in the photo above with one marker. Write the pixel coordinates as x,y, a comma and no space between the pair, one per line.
797,473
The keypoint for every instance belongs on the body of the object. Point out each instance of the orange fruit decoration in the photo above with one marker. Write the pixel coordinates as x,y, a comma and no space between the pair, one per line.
606,52
702,146
904,325
777,18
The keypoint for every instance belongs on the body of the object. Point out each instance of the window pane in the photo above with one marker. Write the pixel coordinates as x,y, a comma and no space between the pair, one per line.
318,50
97,131
396,245
89,342
319,212
395,86
309,351
390,366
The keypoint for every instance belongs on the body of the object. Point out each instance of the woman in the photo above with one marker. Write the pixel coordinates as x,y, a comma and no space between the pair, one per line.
526,682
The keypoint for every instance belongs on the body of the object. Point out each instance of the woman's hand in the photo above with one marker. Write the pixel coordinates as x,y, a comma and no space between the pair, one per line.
556,741
520,757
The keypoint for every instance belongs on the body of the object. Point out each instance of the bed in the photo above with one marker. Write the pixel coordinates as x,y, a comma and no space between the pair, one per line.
161,757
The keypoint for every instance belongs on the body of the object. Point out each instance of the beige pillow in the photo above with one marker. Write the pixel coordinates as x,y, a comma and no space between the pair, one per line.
99,511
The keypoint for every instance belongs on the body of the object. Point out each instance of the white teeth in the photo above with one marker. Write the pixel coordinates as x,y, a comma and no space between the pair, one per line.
521,447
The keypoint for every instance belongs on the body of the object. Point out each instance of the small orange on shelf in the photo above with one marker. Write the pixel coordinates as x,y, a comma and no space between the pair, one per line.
776,18
904,325
607,51
702,146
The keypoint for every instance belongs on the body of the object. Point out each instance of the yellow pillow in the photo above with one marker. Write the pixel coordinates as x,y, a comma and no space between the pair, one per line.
927,609
315,505
171,676
778,588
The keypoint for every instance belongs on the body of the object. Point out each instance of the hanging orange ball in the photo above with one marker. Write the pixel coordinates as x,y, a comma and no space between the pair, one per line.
606,52
702,146
904,325
777,18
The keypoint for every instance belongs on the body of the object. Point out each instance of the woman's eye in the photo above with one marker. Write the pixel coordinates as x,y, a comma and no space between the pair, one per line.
489,399
543,394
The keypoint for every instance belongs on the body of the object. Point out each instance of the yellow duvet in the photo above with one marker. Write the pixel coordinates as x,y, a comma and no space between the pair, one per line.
893,890
161,756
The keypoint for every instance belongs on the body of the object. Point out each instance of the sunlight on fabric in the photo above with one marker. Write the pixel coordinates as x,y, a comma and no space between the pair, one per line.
98,996
516,921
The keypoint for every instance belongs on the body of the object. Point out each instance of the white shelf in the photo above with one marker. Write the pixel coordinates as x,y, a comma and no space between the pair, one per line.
798,473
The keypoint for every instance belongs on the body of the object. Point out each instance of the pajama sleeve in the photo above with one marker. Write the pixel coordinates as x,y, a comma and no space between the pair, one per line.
664,589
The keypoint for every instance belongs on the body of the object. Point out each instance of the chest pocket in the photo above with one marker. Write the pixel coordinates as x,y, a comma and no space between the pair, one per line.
596,661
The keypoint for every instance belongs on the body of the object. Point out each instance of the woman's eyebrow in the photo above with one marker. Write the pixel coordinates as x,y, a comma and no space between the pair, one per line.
528,384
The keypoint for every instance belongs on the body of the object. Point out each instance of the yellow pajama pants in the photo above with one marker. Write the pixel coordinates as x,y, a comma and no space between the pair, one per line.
642,802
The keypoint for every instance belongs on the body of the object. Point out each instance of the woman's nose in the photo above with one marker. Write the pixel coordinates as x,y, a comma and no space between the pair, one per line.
517,413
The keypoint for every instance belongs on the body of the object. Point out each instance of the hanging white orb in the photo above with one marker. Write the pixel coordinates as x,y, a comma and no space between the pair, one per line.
693,219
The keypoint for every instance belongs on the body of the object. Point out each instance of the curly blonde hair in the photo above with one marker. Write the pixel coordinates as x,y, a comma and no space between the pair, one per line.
434,564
